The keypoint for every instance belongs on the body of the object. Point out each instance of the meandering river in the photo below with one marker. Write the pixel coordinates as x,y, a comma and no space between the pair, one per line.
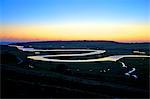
89,52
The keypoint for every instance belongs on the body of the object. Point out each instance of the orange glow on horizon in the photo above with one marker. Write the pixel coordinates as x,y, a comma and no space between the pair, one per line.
117,32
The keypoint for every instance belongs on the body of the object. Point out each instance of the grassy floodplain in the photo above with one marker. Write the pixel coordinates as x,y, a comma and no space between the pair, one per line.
75,79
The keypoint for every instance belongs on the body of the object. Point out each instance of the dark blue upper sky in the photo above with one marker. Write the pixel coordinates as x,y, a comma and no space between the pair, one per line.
56,11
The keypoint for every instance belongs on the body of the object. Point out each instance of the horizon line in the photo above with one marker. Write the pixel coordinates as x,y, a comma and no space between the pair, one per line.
74,41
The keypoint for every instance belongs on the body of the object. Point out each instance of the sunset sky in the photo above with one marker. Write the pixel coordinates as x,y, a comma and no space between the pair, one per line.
116,20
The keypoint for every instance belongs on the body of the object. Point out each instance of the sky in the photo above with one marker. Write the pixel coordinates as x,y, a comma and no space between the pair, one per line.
116,20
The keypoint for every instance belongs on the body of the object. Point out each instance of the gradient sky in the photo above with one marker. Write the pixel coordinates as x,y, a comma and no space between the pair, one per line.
117,20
